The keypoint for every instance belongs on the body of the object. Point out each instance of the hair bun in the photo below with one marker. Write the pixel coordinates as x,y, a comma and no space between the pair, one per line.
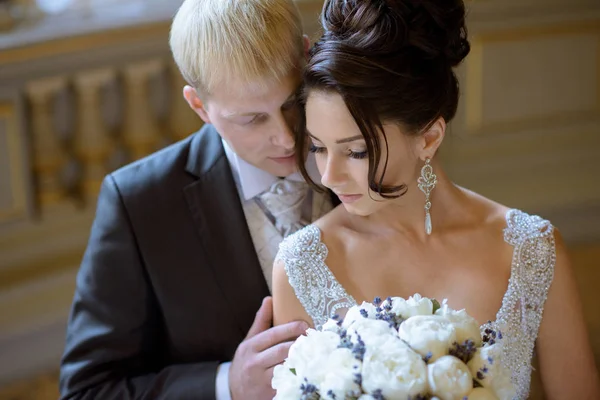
434,29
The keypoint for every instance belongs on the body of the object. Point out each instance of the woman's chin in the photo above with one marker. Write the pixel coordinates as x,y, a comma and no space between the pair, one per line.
357,210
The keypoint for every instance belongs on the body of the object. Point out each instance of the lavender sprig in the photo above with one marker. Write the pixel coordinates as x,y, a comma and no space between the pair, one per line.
309,391
464,351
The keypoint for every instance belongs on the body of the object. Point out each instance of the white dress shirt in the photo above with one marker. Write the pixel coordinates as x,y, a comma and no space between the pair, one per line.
251,182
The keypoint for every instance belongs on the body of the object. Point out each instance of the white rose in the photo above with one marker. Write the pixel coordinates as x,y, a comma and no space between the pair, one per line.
371,331
415,305
488,370
308,354
285,383
428,335
449,378
340,379
354,314
392,367
366,397
467,327
481,394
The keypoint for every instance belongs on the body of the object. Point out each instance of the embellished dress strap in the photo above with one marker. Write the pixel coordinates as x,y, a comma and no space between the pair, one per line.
532,271
303,255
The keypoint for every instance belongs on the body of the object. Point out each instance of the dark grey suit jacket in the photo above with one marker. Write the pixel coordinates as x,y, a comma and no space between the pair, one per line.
170,281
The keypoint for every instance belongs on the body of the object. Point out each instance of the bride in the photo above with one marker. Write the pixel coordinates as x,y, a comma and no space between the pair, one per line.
379,93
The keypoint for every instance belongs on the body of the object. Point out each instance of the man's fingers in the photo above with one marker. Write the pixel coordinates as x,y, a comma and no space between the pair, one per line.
278,334
263,319
272,356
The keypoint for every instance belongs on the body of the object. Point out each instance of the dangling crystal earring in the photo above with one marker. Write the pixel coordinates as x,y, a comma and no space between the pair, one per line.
427,183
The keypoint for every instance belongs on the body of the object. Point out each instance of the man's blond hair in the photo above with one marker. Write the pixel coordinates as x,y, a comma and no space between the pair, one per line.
250,40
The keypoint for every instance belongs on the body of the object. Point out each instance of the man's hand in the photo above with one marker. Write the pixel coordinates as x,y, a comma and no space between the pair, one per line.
251,370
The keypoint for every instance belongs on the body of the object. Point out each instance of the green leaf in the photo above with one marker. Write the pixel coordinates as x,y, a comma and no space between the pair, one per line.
293,371
436,305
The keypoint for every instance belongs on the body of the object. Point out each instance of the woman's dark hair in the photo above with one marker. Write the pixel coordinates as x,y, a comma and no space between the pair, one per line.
391,61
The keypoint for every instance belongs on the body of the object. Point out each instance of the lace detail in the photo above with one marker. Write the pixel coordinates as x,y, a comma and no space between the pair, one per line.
518,319
303,255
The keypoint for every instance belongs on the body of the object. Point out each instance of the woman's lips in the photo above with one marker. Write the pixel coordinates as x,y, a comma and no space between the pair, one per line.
349,198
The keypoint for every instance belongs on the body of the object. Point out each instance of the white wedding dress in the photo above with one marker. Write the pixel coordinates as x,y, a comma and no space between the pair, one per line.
519,317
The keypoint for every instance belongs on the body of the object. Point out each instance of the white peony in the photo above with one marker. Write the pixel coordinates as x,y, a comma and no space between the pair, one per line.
467,327
415,305
488,370
481,394
392,367
354,314
449,378
428,335
371,331
331,325
340,379
285,383
308,354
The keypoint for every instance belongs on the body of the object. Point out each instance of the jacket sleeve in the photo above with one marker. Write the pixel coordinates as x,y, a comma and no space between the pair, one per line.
114,331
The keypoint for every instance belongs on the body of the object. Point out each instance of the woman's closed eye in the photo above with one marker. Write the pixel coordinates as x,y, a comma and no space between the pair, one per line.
359,155
316,149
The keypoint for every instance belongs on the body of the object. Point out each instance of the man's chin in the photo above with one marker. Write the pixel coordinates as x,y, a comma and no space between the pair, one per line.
279,169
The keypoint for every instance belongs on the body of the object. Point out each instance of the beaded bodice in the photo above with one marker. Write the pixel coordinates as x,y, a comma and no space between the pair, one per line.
519,317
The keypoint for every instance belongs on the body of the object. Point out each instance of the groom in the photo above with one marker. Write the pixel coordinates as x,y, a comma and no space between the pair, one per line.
175,280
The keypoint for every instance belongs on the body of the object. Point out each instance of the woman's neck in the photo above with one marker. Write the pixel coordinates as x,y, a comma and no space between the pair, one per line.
406,214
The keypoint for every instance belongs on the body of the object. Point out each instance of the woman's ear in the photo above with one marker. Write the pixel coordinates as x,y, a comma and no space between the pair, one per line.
432,139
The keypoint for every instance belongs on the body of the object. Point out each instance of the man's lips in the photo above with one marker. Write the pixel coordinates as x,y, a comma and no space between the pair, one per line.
284,158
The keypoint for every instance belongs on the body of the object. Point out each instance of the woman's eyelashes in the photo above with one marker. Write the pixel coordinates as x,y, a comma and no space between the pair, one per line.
359,155
316,149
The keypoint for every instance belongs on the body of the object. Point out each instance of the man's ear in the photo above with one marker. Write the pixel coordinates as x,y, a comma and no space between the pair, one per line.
306,42
191,96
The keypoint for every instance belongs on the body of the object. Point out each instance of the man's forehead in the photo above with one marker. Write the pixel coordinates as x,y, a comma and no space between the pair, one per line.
245,99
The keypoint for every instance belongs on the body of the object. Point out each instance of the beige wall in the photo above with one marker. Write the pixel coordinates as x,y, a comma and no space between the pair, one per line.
527,134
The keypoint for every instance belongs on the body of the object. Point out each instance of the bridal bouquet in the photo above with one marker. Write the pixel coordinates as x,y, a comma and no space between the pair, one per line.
413,349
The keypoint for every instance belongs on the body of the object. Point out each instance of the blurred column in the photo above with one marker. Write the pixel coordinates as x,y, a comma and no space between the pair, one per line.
49,153
92,140
182,120
141,130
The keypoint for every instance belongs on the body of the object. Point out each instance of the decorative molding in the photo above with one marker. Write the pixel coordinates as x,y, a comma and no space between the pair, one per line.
474,85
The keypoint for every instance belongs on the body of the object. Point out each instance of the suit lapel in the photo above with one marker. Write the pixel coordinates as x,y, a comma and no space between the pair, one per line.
221,225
